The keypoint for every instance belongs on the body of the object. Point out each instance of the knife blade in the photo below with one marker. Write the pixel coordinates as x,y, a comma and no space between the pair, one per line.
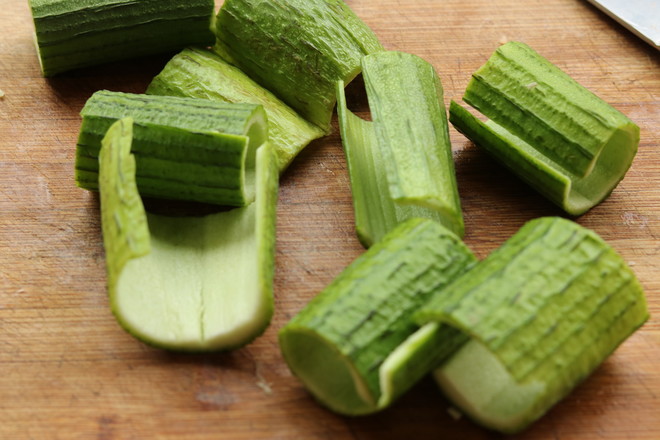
642,17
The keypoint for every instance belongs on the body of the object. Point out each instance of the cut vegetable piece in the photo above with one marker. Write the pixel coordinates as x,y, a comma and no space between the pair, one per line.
200,73
73,33
542,312
298,49
564,141
188,149
355,346
400,163
187,283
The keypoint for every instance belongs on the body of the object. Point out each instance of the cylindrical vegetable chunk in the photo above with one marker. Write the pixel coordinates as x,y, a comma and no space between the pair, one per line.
563,140
542,312
355,346
185,148
77,33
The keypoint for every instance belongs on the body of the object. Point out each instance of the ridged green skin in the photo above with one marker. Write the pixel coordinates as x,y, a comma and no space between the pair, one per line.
187,283
550,305
200,73
355,345
125,229
298,49
79,33
400,163
556,135
189,149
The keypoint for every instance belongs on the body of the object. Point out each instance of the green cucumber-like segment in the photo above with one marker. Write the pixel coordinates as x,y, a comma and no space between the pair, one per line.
563,140
77,33
187,283
355,346
400,163
542,312
298,49
187,149
200,73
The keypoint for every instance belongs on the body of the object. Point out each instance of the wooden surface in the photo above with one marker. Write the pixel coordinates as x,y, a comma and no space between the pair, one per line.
67,371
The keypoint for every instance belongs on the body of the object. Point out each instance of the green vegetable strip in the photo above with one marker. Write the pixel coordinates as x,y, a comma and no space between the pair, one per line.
559,137
185,148
125,230
520,157
547,307
405,97
400,164
187,283
355,346
79,33
298,49
200,73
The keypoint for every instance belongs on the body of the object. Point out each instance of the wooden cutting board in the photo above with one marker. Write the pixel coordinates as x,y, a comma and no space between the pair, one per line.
67,371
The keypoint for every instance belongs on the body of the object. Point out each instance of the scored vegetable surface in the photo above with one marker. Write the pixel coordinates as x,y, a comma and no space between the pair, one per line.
190,149
567,143
355,346
201,73
77,33
297,49
186,283
542,312
400,163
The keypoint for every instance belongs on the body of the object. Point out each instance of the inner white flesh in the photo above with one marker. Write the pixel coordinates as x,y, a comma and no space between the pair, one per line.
581,193
477,382
257,134
326,372
611,165
199,286
333,379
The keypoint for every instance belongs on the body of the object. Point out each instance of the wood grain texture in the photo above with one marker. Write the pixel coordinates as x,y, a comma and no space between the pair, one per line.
67,371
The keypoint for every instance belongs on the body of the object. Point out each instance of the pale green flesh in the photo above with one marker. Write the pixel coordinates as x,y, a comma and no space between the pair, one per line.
354,346
400,165
332,377
542,311
560,138
200,73
476,381
197,283
297,49
70,34
327,373
198,287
